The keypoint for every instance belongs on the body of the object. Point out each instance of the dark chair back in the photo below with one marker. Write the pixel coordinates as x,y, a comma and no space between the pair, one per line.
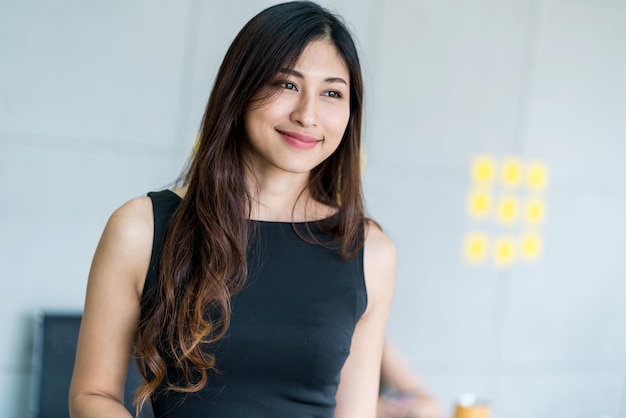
56,335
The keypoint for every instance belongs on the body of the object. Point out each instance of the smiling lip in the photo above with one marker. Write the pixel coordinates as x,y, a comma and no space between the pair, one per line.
299,140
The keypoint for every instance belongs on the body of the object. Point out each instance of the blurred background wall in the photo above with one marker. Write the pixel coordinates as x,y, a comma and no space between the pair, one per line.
100,102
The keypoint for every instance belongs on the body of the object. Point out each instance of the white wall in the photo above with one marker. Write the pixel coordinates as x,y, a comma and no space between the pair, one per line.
99,102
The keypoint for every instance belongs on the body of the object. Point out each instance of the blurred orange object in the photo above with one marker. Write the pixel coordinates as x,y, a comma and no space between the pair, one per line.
476,411
469,407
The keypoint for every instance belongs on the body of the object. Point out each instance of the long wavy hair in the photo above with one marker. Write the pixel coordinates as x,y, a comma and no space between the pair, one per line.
203,260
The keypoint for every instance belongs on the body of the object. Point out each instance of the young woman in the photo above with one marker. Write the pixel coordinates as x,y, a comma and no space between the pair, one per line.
258,288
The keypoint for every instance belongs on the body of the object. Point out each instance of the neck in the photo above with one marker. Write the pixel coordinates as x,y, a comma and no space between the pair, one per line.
279,196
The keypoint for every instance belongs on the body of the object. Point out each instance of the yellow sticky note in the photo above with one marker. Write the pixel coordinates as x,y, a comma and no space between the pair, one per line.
535,211
479,203
504,251
476,247
511,172
530,246
507,210
537,176
483,169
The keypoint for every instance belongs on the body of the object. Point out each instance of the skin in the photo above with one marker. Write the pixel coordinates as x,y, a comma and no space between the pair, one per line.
279,173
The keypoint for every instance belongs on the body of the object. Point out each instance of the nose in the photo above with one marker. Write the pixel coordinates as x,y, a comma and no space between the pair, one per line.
305,111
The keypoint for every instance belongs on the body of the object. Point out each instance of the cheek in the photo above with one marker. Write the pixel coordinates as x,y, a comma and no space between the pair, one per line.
256,122
265,113
339,122
336,118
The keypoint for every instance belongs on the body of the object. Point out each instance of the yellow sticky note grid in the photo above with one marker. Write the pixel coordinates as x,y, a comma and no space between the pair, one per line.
508,192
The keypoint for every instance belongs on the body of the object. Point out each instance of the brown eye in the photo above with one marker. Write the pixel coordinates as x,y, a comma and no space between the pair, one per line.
333,93
288,85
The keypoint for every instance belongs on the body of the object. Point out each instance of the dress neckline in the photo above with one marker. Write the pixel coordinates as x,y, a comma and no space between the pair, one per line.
262,221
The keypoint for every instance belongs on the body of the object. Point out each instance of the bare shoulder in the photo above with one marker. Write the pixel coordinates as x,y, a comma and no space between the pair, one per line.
132,215
132,223
126,243
379,265
380,251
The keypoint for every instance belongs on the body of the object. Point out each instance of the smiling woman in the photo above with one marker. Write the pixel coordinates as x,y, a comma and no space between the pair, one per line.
259,288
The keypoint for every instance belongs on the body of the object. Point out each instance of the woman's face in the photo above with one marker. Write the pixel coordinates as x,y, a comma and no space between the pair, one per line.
302,124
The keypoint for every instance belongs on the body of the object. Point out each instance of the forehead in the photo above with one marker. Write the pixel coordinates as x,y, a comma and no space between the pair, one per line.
322,56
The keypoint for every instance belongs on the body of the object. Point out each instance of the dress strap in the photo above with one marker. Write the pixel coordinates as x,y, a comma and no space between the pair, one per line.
164,203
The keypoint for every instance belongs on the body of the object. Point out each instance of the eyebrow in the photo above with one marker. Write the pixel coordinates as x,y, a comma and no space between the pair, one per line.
300,75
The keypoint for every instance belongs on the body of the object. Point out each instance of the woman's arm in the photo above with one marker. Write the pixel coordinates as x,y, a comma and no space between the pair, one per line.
358,388
111,312
396,372
410,397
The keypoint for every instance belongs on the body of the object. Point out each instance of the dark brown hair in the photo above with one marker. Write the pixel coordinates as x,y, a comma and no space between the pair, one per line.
203,261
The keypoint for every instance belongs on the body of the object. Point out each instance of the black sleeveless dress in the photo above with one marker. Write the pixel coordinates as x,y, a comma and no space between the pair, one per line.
290,331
